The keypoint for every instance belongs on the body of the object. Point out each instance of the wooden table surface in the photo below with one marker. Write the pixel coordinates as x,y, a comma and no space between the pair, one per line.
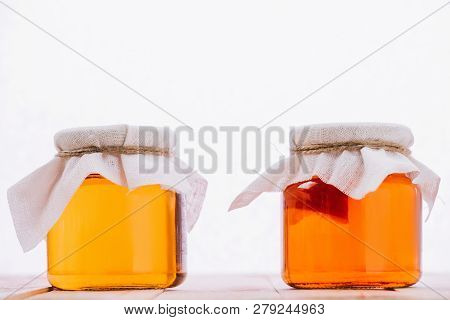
210,287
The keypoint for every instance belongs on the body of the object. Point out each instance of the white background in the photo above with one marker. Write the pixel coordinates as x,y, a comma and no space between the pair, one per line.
222,63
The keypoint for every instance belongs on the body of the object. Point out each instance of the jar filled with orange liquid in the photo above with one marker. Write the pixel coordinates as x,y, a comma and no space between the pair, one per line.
334,241
114,207
352,206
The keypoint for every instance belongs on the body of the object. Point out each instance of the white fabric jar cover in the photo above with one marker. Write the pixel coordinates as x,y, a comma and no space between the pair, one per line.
37,201
354,171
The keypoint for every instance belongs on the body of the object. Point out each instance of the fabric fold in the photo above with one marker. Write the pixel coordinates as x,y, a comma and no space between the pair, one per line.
37,201
355,173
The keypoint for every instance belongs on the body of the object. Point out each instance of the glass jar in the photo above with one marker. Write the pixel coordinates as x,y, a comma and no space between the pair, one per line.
334,241
111,237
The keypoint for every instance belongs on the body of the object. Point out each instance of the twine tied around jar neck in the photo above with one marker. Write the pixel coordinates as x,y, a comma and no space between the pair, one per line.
114,150
351,146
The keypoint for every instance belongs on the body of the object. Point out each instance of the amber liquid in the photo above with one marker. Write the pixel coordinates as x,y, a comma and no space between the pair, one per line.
110,237
333,241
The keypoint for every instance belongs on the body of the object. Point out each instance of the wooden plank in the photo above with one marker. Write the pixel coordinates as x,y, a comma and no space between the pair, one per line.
211,287
431,287
289,293
39,288
15,282
97,295
21,294
224,287
22,287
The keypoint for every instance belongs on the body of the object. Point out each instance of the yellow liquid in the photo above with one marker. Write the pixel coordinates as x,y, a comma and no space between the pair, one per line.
110,237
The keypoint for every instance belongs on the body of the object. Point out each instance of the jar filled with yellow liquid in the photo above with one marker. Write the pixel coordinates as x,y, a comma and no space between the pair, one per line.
112,237
124,212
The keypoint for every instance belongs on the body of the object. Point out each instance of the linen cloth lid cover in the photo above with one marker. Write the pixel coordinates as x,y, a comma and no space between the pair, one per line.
37,201
369,152
114,135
